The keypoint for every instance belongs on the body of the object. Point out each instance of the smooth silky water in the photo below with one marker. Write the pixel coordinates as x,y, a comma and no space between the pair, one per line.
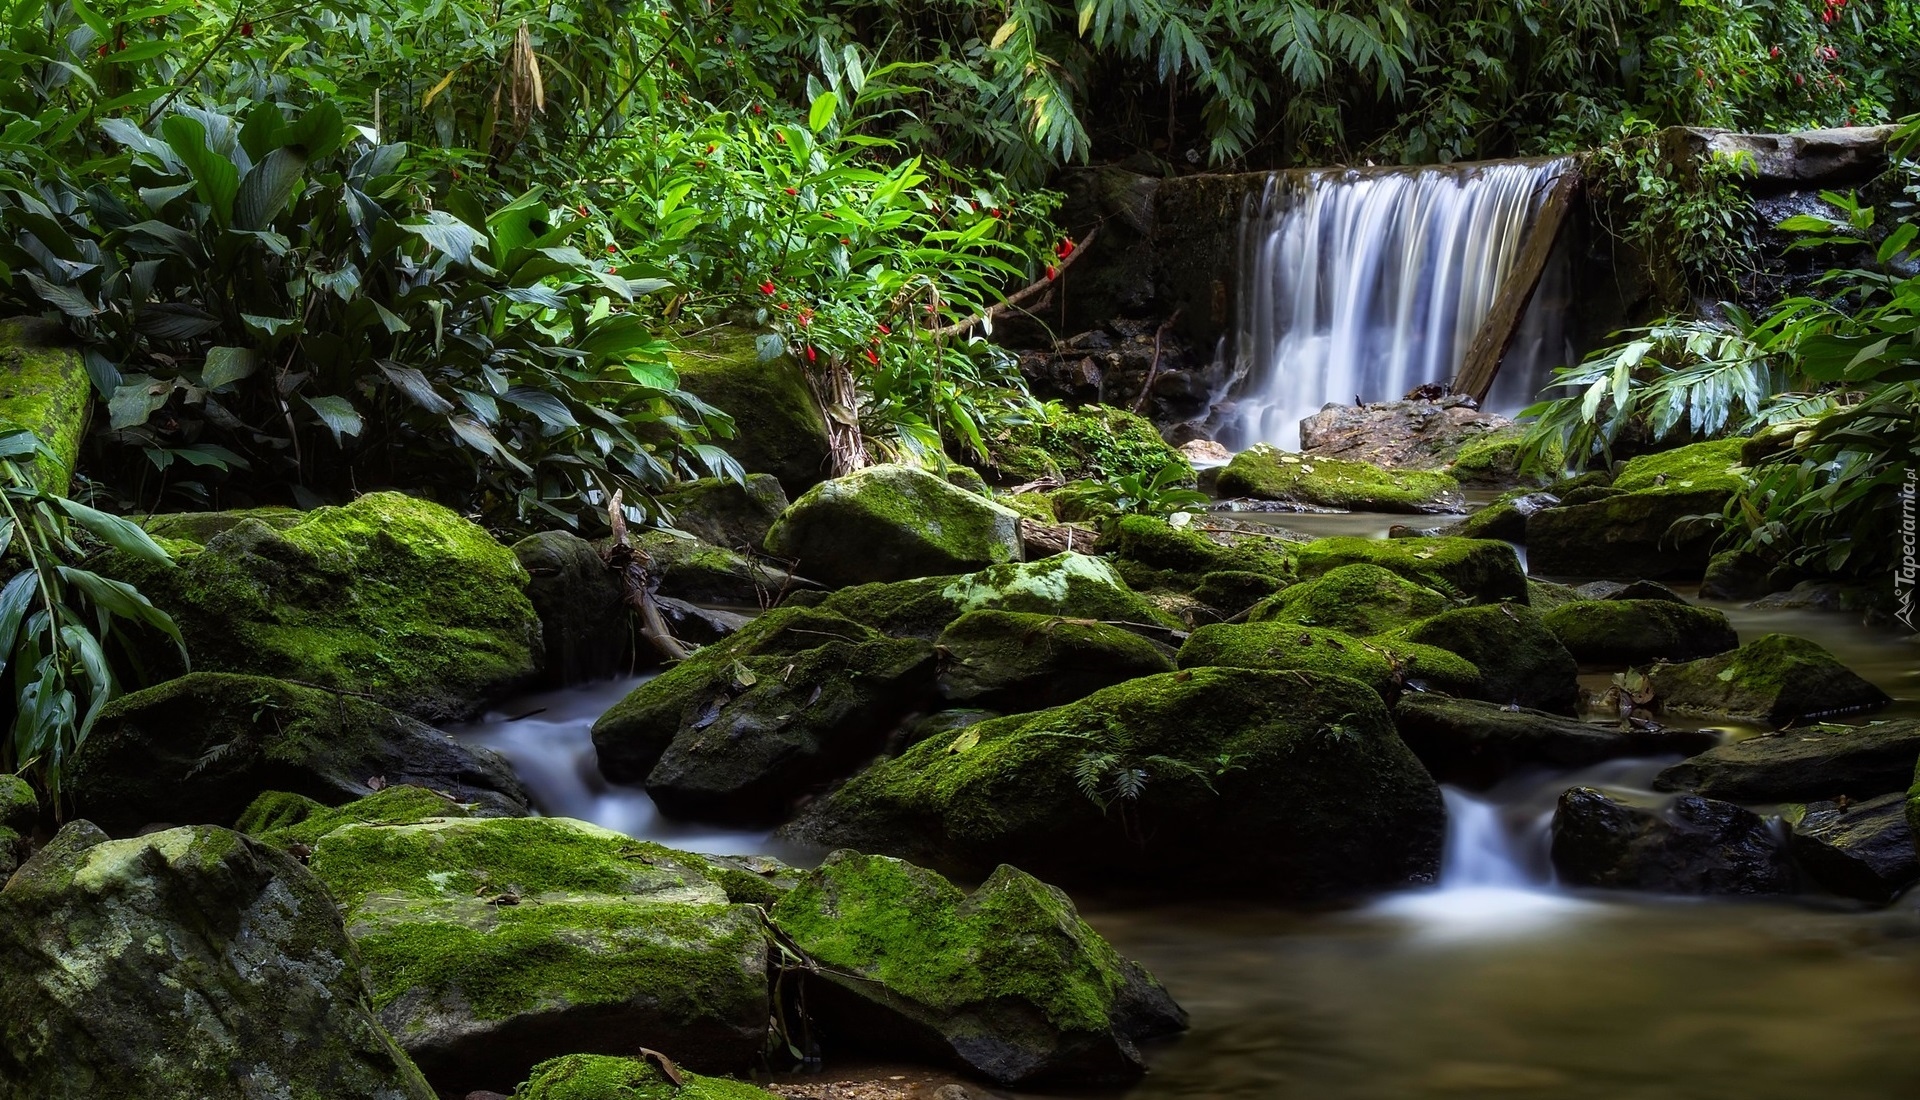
1490,983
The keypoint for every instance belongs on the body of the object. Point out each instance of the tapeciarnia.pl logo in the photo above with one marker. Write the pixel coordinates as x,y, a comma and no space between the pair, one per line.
1906,575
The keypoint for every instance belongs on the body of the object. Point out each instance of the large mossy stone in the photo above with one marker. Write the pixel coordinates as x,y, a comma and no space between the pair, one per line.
1012,661
1659,521
19,813
1153,554
688,568
1519,659
1630,632
1006,982
1476,570
1359,599
1279,784
389,596
1069,585
741,728
1688,845
1862,850
1264,473
586,629
1386,665
1095,441
1777,678
44,388
1476,744
1807,764
1696,466
289,821
893,523
778,428
494,945
187,963
196,750
609,1077
734,514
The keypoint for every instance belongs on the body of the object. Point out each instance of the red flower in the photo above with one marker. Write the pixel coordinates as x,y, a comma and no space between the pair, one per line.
806,318
1775,52
810,356
102,51
884,330
872,357
456,173
610,247
767,288
1052,271
582,208
246,29
846,240
785,305
1065,249
791,191
711,148
995,212
780,137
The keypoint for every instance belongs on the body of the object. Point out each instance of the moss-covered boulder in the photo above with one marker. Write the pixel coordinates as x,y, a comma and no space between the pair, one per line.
1265,473
891,523
1094,441
44,388
389,596
1862,850
1306,762
1153,554
1685,845
1232,592
608,1077
186,963
1777,678
733,514
1012,661
1006,982
19,813
1490,459
494,945
197,750
1476,570
585,627
693,569
1807,764
1387,666
291,822
778,428
1359,599
1659,521
738,730
1504,519
1475,743
1519,659
1070,585
1627,632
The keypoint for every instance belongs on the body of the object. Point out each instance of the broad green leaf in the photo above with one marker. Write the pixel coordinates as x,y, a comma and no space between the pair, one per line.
551,410
415,385
821,113
216,177
121,534
225,366
268,188
338,414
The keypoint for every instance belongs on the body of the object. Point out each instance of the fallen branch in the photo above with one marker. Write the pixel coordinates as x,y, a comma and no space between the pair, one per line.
634,567
1014,301
1159,335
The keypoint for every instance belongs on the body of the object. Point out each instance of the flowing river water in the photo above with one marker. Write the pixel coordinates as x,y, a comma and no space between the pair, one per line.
1494,983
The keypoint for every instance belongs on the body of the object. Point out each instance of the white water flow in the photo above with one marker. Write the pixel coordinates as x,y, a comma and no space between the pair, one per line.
1488,885
1370,283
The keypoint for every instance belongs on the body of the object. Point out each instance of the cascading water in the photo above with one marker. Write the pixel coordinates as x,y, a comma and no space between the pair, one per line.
1369,283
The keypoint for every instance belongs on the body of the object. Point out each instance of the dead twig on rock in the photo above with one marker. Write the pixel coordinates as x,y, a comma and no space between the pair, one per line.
636,572
1153,372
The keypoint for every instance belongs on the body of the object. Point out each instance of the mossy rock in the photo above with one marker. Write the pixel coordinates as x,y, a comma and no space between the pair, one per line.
1094,441
1477,744
1658,520
44,388
199,748
1480,570
1013,661
1697,466
1070,585
186,963
778,428
1006,982
891,523
286,820
19,814
1153,554
1544,596
945,723
1806,764
388,596
1626,632
733,514
586,629
1304,761
200,528
1264,473
739,729
1777,678
1492,459
608,1077
696,570
1520,660
1384,666
494,945
1359,599
1505,518
1037,507
1232,591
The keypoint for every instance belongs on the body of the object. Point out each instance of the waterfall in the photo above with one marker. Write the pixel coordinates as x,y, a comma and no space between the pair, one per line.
1369,283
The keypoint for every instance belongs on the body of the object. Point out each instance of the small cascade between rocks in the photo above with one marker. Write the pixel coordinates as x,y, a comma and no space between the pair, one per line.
1369,283
1489,886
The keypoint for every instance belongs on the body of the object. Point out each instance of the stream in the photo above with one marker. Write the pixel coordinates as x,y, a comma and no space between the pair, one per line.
1494,983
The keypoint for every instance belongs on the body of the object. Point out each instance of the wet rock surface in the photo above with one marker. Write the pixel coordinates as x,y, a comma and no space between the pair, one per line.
1804,765
1690,845
1477,744
1861,849
1777,678
1425,435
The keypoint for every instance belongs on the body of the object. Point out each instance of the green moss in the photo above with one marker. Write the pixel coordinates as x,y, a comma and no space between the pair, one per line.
1153,554
1695,467
19,809
1269,474
200,528
924,939
1072,585
733,514
1359,599
892,522
1461,569
1020,661
1037,507
1627,632
1381,665
1777,678
606,1077
1493,459
1231,591
778,427
1519,659
1094,441
1544,596
44,388
392,596
284,820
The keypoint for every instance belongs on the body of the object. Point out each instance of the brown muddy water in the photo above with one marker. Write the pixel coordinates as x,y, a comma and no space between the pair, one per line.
1494,984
